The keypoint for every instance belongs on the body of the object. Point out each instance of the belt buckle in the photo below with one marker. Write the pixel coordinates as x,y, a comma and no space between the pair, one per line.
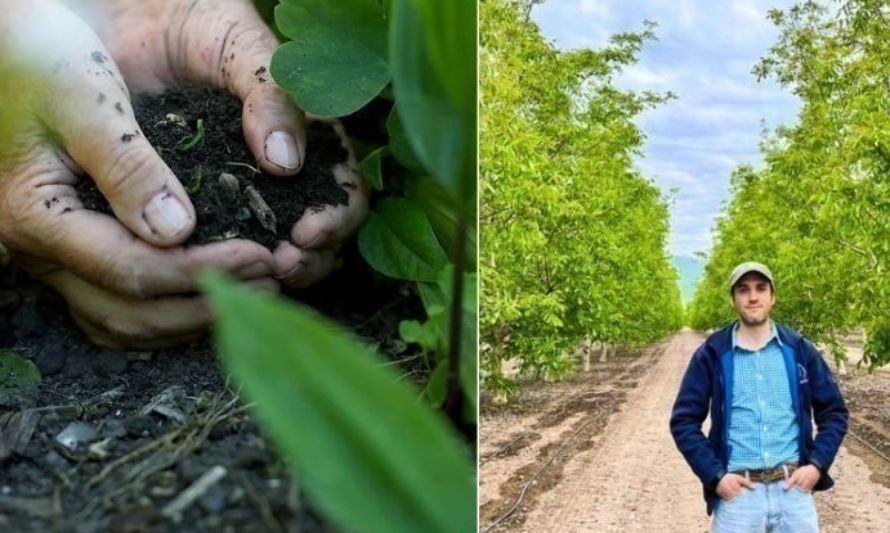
773,474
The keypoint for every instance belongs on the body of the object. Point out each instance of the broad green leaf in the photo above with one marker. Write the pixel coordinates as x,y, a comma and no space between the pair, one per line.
372,168
433,61
16,374
336,62
398,241
439,207
399,144
371,455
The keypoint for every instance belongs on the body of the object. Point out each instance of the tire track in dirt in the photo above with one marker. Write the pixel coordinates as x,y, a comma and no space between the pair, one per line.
636,478
517,442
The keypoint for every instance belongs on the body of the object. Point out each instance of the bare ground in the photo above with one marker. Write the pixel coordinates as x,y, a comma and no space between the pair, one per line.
611,464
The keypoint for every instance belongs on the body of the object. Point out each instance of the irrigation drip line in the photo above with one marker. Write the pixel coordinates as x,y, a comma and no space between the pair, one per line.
870,446
534,477
558,452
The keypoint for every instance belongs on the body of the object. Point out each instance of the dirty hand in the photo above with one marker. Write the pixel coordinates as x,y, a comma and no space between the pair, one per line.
804,477
731,485
66,113
224,43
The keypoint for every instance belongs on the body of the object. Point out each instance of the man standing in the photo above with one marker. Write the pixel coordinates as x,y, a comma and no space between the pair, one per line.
763,384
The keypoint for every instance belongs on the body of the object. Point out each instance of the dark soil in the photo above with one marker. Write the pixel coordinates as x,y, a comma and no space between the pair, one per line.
162,419
229,209
143,457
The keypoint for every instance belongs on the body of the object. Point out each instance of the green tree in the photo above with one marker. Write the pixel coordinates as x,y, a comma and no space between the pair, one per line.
572,236
817,212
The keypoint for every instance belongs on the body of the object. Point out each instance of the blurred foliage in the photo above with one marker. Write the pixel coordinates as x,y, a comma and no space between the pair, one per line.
370,454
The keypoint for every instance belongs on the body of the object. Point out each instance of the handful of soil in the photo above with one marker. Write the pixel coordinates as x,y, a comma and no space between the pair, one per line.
197,131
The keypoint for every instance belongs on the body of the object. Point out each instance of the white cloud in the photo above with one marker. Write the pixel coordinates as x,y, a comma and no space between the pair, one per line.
595,8
704,53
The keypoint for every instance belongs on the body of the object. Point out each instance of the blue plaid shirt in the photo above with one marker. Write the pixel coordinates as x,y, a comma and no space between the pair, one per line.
763,430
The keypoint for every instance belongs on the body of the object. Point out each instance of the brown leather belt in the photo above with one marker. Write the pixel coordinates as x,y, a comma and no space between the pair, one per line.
768,475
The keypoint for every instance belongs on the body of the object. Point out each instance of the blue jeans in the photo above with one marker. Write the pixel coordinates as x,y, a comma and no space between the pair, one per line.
767,508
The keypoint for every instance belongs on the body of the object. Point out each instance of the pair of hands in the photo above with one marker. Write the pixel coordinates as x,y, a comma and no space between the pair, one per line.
126,279
805,477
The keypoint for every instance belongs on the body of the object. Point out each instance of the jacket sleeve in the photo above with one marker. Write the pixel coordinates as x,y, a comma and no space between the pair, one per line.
689,412
829,411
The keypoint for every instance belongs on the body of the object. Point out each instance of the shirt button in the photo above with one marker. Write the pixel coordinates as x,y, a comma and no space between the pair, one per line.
764,428
759,376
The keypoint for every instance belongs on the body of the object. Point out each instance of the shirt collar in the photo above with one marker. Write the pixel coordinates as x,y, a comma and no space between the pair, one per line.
774,334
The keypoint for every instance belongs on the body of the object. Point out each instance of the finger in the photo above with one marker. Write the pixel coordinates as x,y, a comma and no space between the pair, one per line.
330,226
747,482
87,108
226,44
48,221
298,268
116,321
792,480
264,284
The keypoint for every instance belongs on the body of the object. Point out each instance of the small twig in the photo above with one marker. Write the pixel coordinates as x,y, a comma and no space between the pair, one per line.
405,360
98,478
237,164
174,509
262,503
379,311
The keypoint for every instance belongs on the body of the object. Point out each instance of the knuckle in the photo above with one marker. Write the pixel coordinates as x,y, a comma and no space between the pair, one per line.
124,326
129,165
127,279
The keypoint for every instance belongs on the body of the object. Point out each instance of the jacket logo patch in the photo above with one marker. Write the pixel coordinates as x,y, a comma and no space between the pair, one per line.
802,374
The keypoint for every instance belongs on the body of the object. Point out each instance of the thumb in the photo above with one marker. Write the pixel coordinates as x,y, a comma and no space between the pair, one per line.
232,32
792,479
747,482
87,107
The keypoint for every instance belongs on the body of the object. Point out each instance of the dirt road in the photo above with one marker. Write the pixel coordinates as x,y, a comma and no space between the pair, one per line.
629,476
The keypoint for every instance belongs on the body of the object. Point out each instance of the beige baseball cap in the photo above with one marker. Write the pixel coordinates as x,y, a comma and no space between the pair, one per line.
746,267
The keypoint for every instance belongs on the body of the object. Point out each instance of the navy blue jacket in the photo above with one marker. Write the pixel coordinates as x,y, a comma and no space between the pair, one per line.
707,386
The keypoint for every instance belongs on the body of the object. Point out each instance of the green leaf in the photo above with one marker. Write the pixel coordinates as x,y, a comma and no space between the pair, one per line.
399,144
433,61
436,387
398,241
372,168
371,455
336,62
440,208
16,374
422,334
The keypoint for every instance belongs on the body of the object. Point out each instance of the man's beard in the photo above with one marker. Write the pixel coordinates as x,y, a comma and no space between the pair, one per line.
752,323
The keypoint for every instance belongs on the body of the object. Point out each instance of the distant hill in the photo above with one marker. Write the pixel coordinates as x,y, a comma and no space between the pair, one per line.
690,269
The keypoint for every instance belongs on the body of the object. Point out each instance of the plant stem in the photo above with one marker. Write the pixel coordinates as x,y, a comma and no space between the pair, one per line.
454,398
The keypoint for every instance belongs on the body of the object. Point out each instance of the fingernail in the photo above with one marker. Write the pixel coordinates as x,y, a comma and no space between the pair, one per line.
281,150
166,215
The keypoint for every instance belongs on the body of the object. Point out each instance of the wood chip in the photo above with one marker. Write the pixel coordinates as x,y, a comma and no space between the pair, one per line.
261,209
16,430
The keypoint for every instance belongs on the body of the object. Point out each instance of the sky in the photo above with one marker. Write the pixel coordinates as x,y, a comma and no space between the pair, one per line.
705,52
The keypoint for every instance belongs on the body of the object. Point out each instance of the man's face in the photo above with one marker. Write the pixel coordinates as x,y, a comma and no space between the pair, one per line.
753,298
